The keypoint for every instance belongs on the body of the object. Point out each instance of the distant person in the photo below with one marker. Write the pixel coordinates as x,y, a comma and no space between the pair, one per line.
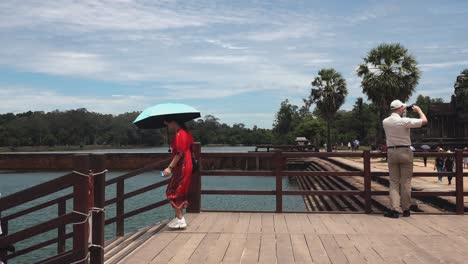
448,166
356,144
400,156
349,145
425,158
439,164
181,170
465,159
384,149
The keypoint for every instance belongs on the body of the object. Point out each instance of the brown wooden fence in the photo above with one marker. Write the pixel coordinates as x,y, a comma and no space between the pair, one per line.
279,160
259,164
79,182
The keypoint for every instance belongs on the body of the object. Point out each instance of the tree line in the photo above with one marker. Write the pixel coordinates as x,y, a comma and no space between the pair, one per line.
82,127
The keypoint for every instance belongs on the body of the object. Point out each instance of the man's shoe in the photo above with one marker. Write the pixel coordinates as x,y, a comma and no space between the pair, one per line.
392,214
406,213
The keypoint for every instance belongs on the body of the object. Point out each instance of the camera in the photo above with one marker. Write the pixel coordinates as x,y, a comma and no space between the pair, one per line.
409,108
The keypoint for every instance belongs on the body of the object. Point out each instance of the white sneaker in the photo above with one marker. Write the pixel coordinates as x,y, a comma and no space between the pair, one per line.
173,221
178,223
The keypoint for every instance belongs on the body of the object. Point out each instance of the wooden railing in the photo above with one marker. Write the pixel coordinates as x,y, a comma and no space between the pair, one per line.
264,164
79,182
278,171
121,196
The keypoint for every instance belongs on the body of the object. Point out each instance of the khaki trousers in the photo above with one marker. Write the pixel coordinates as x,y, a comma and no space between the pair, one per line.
400,168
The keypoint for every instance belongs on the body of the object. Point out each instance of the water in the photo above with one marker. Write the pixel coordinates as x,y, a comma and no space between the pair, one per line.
13,182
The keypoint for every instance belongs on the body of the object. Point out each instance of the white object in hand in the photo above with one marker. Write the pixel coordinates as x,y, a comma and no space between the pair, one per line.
162,174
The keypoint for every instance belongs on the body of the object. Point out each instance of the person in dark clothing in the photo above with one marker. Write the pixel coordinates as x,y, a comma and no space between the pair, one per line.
425,159
439,164
448,167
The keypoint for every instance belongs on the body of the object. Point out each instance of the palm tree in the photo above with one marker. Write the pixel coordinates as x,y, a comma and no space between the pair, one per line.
329,95
388,73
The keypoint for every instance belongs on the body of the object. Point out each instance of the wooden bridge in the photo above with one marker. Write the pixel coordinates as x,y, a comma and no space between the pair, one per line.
277,236
305,238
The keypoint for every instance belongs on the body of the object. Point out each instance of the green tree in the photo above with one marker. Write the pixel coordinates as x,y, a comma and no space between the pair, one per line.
286,120
425,101
313,129
388,73
329,96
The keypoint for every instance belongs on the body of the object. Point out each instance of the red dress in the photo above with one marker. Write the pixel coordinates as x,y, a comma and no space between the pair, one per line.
182,172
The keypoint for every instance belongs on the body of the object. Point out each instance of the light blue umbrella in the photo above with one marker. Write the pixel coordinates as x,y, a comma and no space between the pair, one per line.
154,117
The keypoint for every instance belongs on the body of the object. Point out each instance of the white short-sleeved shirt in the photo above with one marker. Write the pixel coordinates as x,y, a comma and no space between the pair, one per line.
397,129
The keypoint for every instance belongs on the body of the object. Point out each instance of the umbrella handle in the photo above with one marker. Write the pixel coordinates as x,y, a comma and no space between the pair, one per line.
168,140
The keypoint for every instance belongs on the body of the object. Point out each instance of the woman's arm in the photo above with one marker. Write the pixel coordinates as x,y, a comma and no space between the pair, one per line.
174,161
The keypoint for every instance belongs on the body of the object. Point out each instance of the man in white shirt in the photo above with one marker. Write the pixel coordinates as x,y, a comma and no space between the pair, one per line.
400,156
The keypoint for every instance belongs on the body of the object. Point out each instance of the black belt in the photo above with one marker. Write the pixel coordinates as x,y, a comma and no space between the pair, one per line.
399,146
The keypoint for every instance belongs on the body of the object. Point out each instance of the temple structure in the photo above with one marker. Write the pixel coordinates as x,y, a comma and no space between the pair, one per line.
448,122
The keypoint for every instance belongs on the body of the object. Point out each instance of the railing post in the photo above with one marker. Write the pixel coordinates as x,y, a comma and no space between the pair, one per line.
459,188
194,192
98,164
367,182
80,204
278,158
3,252
61,232
120,229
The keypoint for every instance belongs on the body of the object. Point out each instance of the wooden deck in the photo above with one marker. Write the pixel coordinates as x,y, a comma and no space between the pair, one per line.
308,238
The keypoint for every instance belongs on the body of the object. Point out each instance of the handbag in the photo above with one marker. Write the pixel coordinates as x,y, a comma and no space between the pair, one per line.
195,165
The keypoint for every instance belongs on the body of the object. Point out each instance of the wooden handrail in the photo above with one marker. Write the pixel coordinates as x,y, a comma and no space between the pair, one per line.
121,196
37,191
138,191
38,207
40,245
137,172
275,165
78,217
279,157
40,228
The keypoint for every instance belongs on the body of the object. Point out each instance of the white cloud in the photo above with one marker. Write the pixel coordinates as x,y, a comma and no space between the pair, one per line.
68,63
21,99
372,13
439,65
94,15
227,59
225,45
218,49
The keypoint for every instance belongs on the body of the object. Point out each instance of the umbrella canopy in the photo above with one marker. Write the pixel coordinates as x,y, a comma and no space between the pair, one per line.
153,117
427,147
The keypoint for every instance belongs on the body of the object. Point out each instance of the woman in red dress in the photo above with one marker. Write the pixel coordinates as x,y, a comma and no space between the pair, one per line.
181,169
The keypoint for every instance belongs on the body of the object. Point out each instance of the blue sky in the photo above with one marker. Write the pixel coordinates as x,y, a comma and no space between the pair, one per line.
236,60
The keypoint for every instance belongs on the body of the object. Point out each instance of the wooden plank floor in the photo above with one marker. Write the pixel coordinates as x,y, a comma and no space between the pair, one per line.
309,238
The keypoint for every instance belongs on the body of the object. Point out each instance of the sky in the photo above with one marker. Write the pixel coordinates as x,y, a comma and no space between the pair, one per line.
236,60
